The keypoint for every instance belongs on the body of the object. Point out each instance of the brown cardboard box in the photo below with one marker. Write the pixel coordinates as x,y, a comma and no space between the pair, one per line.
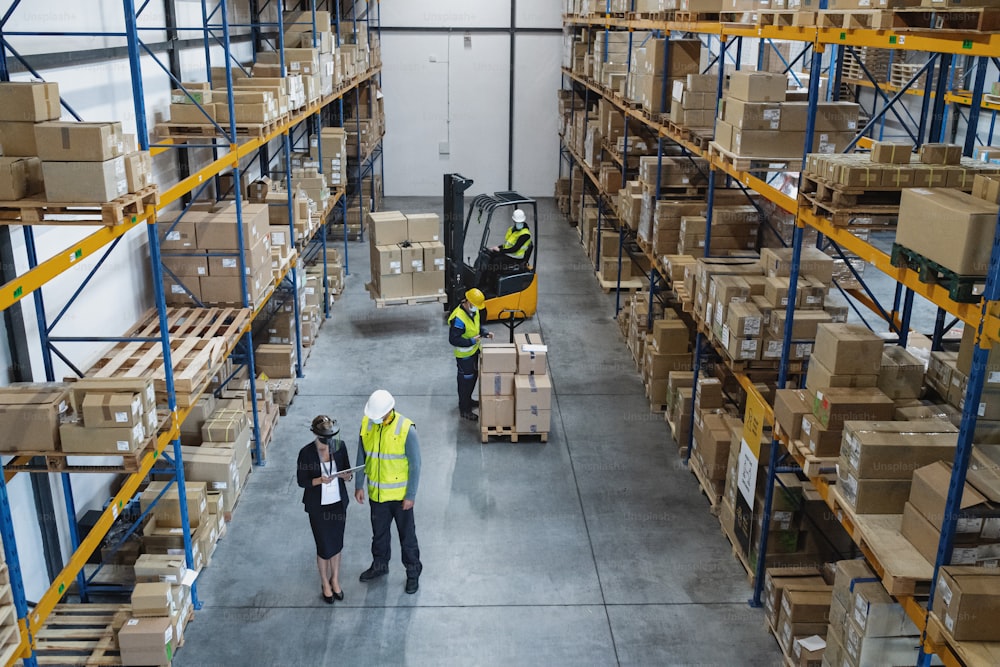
114,410
30,415
819,377
85,182
901,375
894,450
496,411
428,283
79,142
179,236
836,405
498,358
78,439
848,349
742,349
229,289
807,606
978,520
218,231
873,496
532,421
876,614
778,580
411,259
822,441
753,115
804,323
670,336
532,392
395,286
984,470
969,222
777,262
941,154
218,468
275,361
150,600
744,320
146,641
492,383
926,538
388,227
767,143
20,177
18,139
790,406
138,170
433,256
753,86
386,260
29,101
167,509
532,354
423,227
885,152
968,600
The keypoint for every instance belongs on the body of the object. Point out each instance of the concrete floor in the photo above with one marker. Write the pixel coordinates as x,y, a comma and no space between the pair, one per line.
593,549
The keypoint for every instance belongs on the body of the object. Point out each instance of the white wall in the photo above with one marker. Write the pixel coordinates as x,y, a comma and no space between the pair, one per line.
463,97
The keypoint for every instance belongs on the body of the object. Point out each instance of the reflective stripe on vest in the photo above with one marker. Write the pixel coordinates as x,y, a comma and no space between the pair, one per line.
471,323
512,237
386,465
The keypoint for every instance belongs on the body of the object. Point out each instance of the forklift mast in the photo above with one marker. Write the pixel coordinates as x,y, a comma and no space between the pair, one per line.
455,186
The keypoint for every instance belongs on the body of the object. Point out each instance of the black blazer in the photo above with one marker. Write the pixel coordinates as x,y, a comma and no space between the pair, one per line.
309,469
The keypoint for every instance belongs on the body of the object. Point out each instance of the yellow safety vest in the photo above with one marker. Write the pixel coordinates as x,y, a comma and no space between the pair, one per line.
471,323
512,237
386,465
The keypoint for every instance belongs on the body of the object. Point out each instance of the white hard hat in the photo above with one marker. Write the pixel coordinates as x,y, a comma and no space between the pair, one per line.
379,404
518,216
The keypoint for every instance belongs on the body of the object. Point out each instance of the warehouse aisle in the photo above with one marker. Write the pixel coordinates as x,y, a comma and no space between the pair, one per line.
595,548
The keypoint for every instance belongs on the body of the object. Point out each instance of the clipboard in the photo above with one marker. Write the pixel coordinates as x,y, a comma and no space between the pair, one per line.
349,470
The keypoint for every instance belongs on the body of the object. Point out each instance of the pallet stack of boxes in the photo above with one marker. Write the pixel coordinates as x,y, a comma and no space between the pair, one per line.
163,532
201,250
407,255
646,79
693,101
113,416
86,163
803,587
712,433
515,392
666,352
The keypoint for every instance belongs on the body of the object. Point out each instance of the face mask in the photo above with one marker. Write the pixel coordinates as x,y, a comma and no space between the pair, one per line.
377,421
473,310
519,226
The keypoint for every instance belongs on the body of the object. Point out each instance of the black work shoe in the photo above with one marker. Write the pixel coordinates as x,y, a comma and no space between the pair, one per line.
475,403
412,584
374,573
471,416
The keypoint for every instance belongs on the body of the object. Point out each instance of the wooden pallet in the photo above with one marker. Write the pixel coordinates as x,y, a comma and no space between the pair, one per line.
778,18
509,432
814,466
697,136
697,17
628,286
708,487
81,634
10,637
844,217
905,570
126,208
855,19
847,196
190,132
403,300
200,338
967,19
960,288
752,164
60,461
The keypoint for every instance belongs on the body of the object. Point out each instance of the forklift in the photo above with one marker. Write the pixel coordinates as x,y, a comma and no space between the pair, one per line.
512,292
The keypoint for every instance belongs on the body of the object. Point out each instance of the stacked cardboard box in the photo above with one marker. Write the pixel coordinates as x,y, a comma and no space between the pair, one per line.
712,433
867,627
965,250
332,146
822,429
693,101
680,404
275,360
23,106
647,77
878,460
31,414
804,612
754,113
161,600
147,641
82,162
976,536
407,255
670,336
967,599
532,386
497,368
114,416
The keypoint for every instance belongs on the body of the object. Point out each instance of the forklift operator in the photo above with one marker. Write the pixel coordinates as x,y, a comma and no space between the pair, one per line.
516,243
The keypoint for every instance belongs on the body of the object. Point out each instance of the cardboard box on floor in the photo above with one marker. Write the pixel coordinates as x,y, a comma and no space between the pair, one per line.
146,641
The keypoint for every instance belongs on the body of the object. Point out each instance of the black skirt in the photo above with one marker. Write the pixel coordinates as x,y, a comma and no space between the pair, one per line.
327,525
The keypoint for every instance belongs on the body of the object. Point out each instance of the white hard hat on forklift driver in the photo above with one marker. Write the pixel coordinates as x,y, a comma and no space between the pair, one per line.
518,216
379,404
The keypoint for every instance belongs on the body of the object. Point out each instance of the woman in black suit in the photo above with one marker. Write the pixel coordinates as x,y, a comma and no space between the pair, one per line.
325,498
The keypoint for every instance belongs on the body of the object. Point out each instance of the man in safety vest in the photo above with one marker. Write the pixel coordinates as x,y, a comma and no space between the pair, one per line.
517,241
389,451
464,334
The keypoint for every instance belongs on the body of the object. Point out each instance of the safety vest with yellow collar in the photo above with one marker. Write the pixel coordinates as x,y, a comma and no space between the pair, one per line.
471,323
386,465
511,239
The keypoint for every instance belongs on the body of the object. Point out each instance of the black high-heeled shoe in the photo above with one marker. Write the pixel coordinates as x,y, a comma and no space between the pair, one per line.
338,596
329,598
